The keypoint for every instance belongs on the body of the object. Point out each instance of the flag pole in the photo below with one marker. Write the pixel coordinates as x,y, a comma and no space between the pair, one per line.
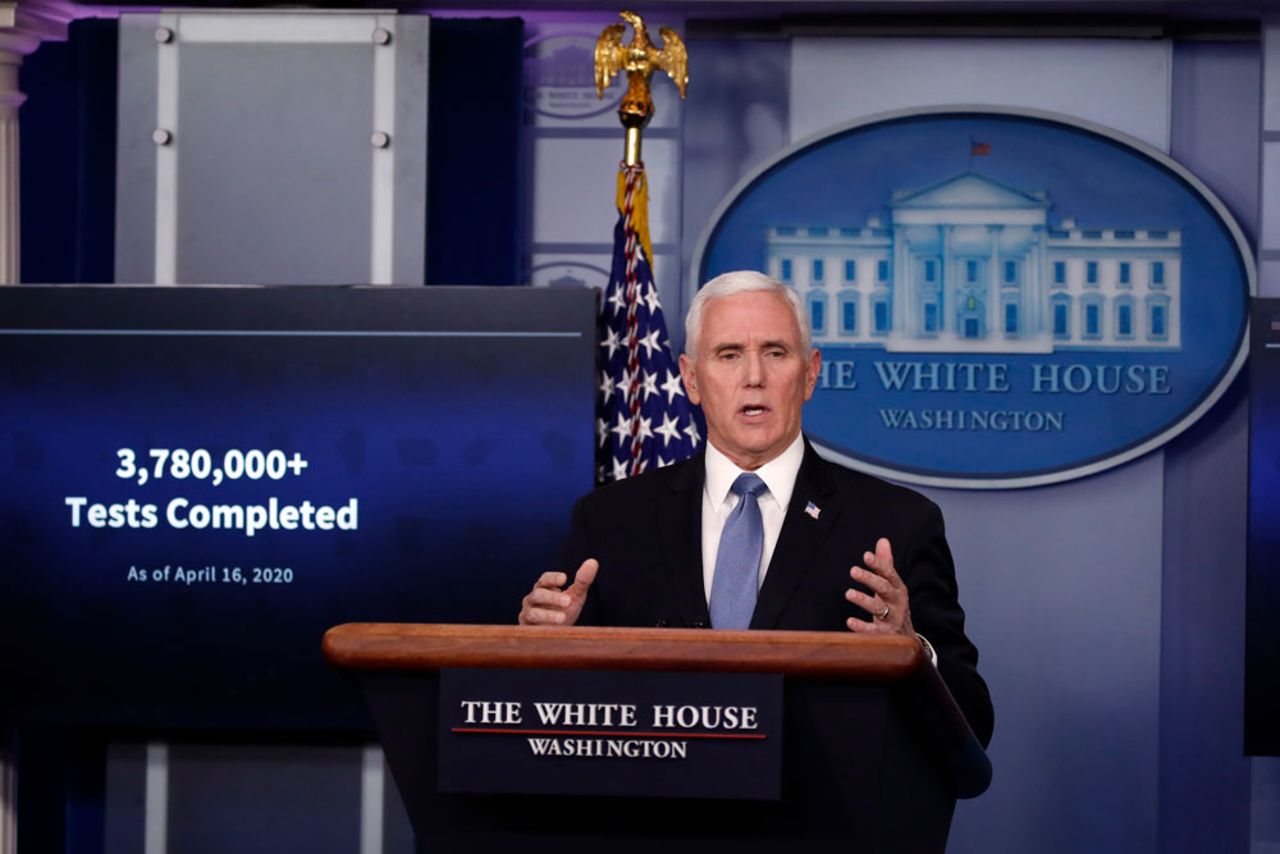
644,419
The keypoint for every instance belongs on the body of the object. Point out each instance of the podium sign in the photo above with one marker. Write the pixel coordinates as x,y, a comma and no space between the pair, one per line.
684,735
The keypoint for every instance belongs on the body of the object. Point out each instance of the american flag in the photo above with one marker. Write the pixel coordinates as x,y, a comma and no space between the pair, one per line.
643,417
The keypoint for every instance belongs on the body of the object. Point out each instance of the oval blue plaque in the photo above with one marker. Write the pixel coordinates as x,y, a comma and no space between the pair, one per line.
1002,298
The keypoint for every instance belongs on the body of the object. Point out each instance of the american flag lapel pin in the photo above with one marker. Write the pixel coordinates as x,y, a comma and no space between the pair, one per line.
812,510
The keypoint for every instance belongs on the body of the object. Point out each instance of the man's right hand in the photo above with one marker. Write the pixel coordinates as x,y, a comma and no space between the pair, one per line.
550,603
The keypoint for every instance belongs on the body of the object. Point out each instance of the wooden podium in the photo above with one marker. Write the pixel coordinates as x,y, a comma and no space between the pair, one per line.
875,750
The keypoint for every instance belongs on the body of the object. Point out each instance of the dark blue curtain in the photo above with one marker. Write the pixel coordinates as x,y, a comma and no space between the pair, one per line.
475,174
68,157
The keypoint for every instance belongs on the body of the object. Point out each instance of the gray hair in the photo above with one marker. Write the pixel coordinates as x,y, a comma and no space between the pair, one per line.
740,282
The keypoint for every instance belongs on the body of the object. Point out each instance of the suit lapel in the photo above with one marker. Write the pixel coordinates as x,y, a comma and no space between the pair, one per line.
799,541
680,519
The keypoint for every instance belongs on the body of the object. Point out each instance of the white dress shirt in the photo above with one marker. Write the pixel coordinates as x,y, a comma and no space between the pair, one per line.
779,475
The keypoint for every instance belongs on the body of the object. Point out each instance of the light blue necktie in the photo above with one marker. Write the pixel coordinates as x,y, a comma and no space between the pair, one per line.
733,587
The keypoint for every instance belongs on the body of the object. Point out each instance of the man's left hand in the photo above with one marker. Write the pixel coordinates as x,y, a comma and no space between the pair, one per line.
889,602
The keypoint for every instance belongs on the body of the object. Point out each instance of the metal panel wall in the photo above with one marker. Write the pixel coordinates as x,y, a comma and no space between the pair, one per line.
281,148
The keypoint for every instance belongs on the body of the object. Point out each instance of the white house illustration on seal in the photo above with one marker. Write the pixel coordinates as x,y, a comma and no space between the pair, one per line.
970,264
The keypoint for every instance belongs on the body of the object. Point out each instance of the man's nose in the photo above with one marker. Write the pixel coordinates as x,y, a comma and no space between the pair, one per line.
754,364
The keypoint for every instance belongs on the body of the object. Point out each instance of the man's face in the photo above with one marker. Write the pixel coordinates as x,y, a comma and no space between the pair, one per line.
750,376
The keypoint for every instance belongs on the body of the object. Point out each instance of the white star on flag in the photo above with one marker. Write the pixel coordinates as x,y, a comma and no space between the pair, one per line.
612,341
646,430
651,300
624,382
618,301
691,430
649,385
622,429
650,342
667,429
673,386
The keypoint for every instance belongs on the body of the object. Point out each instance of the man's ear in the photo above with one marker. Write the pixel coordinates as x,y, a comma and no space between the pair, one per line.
690,377
811,370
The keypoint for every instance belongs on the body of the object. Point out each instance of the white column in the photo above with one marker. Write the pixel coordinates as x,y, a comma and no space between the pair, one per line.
995,285
902,285
950,276
10,100
1036,293
8,800
24,24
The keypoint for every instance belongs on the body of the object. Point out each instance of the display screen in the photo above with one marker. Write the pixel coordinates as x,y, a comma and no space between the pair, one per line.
195,483
1262,656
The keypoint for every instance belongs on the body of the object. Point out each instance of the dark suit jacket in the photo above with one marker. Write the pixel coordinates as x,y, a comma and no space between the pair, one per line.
646,532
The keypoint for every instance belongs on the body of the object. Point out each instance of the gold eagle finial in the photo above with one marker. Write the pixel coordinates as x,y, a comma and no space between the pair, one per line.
639,59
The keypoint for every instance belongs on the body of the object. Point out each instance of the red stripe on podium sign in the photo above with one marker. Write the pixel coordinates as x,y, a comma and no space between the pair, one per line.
609,733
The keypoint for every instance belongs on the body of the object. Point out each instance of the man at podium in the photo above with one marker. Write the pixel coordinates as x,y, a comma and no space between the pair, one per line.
757,531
